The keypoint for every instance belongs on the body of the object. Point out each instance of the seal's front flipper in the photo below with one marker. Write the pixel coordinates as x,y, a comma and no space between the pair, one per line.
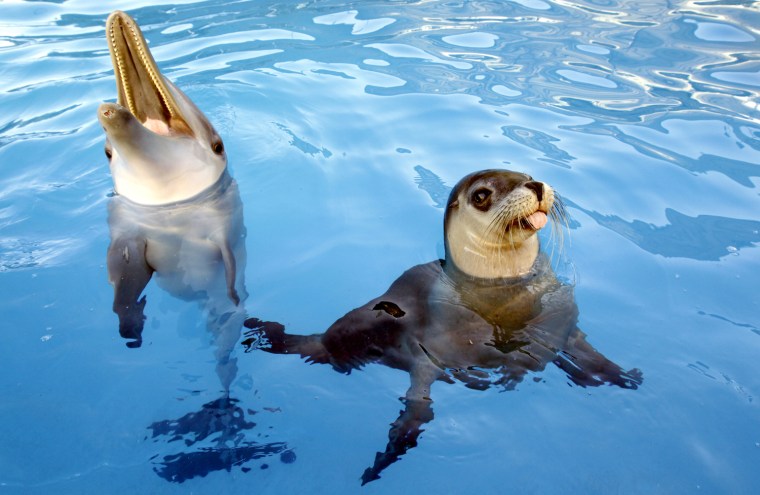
270,336
129,273
587,367
418,410
402,435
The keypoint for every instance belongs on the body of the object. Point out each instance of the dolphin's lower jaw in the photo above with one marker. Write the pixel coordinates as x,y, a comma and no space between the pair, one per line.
118,122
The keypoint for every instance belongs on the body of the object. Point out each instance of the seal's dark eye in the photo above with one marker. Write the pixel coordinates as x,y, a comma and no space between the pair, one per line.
480,196
218,147
108,153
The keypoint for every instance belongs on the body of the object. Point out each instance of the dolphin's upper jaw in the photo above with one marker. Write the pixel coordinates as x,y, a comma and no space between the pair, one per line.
139,84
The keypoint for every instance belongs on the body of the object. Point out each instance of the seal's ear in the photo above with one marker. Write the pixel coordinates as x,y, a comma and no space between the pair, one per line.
454,204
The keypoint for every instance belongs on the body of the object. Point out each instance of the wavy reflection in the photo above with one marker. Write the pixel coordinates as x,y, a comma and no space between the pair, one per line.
541,142
222,427
640,69
742,172
704,237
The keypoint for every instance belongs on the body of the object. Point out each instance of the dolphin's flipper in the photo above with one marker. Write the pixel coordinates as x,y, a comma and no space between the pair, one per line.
587,367
402,435
129,272
228,257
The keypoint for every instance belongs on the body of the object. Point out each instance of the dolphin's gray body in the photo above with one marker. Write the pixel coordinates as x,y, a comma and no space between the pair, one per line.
196,250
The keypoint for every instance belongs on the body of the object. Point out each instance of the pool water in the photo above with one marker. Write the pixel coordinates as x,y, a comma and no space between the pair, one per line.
346,124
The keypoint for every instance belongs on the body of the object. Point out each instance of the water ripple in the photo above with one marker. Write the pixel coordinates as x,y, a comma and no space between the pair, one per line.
346,123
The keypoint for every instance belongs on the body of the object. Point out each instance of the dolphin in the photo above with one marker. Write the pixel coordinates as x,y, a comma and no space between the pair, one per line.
177,213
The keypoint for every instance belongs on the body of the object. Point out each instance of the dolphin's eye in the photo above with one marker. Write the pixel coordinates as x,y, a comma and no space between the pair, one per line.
218,147
480,196
109,154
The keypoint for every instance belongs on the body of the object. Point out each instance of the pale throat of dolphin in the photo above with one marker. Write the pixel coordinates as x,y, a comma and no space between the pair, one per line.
481,258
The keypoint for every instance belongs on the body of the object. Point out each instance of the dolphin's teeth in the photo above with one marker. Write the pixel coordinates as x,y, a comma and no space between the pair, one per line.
147,63
121,71
128,43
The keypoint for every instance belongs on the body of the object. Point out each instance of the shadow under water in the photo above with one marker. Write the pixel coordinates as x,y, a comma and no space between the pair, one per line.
222,423
439,326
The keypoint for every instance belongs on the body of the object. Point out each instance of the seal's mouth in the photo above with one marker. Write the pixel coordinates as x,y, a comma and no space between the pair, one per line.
140,87
535,221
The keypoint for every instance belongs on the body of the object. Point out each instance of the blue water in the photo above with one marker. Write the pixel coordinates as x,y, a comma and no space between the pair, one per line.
345,125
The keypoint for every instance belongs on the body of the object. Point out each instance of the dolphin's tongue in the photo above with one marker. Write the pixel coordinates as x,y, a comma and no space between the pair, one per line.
537,220
158,126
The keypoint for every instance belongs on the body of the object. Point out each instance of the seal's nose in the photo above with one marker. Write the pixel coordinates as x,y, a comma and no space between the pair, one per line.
536,187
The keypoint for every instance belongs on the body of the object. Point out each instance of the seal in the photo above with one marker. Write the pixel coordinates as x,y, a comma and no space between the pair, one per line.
177,213
161,148
487,315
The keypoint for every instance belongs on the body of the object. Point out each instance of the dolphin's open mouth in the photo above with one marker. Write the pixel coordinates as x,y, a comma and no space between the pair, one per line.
139,85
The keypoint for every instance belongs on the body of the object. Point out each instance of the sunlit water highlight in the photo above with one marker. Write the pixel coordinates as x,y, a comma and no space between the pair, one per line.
346,124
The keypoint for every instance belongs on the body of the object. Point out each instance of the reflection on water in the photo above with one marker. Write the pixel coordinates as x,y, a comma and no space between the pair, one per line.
196,251
433,185
222,423
623,65
541,142
660,144
645,114
704,237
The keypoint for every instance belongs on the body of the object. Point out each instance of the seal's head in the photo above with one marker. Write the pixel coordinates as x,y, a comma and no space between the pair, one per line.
491,223
161,148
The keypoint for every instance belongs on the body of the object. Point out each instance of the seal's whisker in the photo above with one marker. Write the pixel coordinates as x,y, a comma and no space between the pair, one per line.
555,234
497,222
497,228
560,222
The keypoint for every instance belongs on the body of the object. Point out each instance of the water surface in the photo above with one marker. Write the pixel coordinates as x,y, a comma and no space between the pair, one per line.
346,124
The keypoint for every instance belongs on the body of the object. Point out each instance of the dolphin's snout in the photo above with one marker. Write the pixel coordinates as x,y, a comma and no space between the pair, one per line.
114,117
109,110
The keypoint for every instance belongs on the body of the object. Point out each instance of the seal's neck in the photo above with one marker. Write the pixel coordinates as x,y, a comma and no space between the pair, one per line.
480,259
